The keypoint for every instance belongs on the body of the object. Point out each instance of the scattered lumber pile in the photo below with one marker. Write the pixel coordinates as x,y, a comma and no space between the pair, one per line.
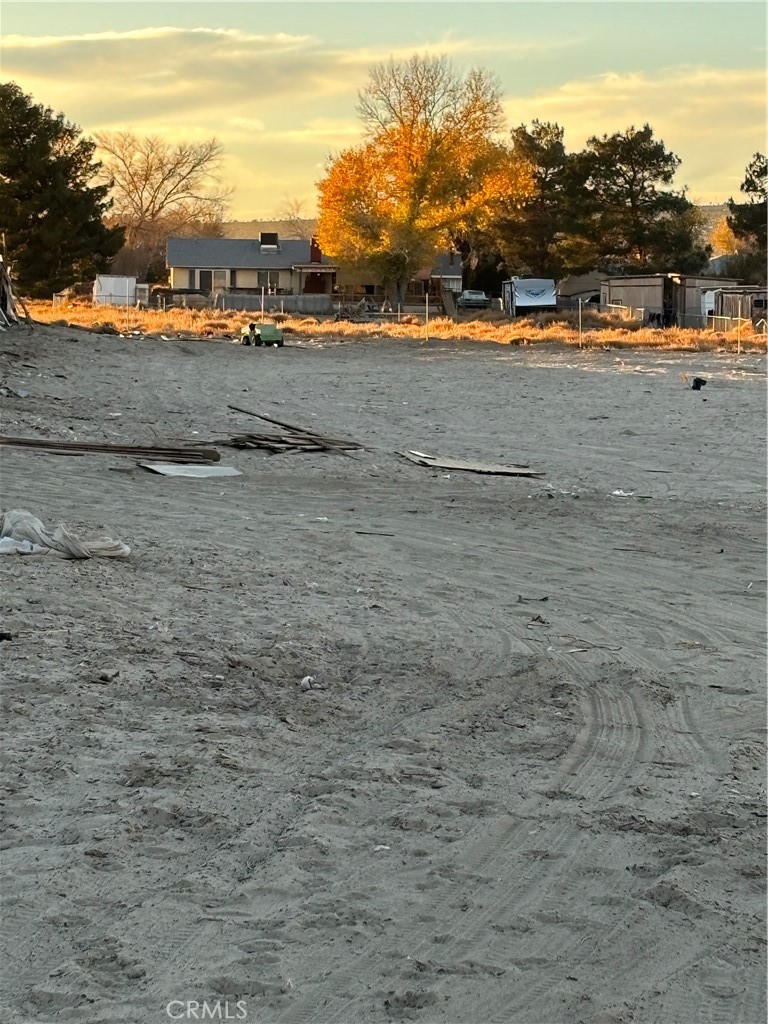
155,453
289,439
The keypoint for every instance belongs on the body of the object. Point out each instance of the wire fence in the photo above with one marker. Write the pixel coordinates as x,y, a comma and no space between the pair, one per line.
661,318
324,304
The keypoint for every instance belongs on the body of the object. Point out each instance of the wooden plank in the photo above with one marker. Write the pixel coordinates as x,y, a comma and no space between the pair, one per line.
465,465
302,432
277,423
102,448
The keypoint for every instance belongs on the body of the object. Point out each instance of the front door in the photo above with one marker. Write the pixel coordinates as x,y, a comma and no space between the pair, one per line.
314,284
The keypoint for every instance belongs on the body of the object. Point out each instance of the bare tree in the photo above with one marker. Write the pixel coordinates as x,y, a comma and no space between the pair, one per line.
161,188
425,94
298,224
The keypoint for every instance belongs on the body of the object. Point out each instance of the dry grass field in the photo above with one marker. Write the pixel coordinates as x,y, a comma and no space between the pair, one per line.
599,329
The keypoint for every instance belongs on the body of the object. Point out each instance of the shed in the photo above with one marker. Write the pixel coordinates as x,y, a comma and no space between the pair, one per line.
114,291
678,298
746,301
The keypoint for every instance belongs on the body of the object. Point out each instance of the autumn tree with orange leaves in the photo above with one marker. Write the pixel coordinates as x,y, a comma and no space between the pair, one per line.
429,172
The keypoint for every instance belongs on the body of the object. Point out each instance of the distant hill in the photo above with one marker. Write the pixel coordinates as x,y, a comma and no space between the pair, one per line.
284,228
306,228
712,215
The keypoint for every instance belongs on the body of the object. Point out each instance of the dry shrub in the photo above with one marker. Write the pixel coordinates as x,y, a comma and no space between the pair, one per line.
490,316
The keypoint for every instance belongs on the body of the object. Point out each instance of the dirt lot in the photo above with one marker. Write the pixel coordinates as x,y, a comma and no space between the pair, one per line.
531,790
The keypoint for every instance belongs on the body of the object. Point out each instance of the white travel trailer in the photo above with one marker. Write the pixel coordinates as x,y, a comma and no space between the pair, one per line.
522,295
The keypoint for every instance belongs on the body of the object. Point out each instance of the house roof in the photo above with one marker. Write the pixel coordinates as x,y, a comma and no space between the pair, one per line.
621,279
447,264
236,253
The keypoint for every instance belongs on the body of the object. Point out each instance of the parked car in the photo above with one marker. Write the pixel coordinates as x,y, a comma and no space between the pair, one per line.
472,300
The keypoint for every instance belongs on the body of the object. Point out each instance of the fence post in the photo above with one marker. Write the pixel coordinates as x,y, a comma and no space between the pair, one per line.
738,331
262,305
426,316
581,334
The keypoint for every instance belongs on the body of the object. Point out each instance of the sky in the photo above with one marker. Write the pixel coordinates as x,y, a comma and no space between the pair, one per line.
277,83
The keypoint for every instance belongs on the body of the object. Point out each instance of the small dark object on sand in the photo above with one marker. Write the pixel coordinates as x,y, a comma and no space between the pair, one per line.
698,383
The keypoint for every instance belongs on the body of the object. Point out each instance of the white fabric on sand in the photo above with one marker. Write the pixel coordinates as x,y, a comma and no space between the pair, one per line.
21,533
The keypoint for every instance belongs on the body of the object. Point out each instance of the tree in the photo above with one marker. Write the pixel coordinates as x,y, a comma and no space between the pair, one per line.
51,215
297,223
531,235
722,239
634,221
427,174
161,189
749,222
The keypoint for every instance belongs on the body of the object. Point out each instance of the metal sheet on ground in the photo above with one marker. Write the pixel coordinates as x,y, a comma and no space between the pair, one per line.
198,472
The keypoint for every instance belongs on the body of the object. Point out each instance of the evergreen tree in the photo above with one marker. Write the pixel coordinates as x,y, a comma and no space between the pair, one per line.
531,233
50,214
749,223
634,221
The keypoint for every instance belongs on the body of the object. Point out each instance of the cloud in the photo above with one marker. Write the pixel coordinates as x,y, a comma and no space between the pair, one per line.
141,77
249,124
281,103
521,48
713,118
165,34
329,131
128,79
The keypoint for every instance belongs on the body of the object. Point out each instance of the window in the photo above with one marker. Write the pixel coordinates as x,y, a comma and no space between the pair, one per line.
269,278
212,280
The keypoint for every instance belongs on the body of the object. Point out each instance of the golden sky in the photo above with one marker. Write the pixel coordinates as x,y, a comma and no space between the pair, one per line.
277,83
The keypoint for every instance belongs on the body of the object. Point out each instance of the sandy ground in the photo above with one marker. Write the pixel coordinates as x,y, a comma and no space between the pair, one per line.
532,788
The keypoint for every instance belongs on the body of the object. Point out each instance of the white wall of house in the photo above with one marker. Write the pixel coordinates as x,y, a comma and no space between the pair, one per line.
184,277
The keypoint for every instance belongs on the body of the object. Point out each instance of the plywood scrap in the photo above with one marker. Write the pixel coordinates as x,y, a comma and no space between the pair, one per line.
468,466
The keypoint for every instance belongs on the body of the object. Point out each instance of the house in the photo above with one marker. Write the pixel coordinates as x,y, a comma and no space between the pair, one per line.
445,274
678,298
237,272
